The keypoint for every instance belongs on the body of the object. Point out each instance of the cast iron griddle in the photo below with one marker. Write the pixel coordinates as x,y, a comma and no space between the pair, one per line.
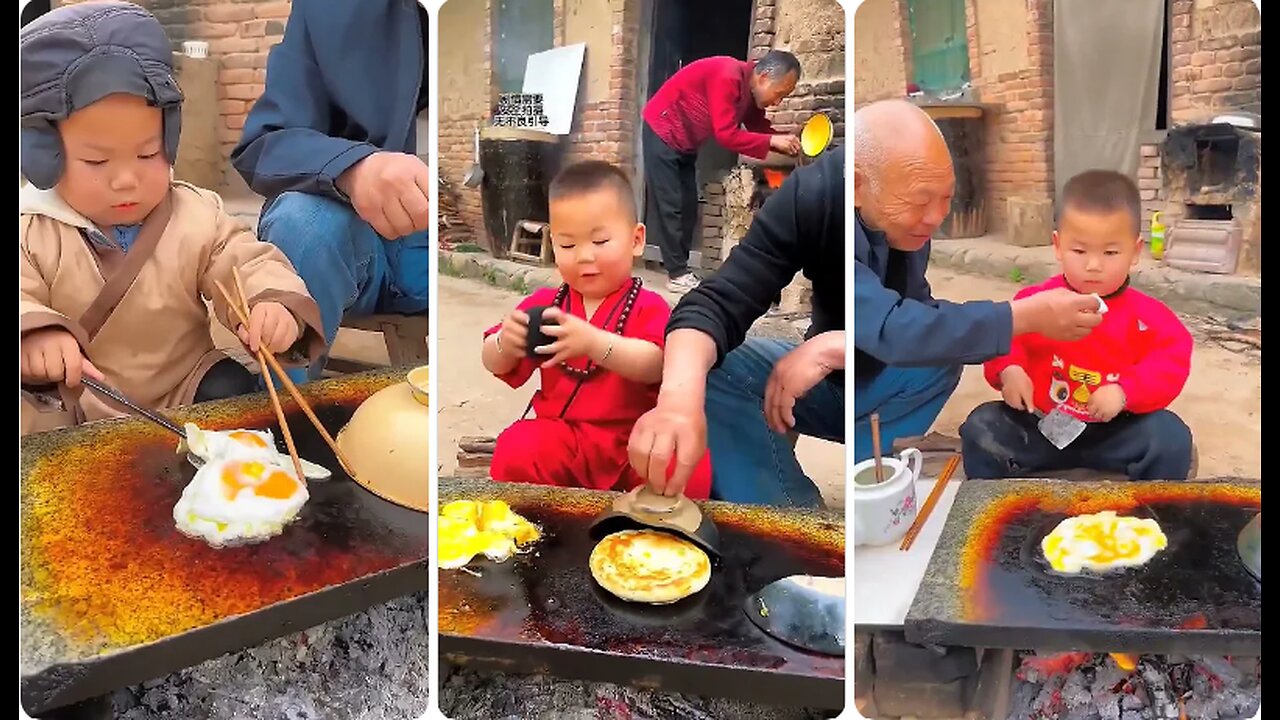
988,584
543,612
111,594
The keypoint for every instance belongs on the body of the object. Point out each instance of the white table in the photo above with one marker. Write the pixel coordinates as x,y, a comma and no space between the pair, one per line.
885,579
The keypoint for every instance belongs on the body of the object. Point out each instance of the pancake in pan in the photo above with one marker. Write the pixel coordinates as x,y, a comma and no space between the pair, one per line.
649,566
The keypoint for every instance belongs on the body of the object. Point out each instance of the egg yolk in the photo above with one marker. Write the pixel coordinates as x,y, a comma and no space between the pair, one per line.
465,510
496,513
467,528
247,438
1108,538
268,482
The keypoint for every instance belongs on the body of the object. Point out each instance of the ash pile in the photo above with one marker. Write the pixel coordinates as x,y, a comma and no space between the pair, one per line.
1094,686
473,695
367,666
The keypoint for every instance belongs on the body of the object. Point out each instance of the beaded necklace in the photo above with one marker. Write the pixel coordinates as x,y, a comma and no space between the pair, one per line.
626,304
584,374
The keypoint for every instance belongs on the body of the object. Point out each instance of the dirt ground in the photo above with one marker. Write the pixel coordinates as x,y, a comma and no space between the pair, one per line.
1221,403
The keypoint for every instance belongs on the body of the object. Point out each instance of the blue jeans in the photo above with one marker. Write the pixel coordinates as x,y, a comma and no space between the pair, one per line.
347,266
751,463
1000,442
908,400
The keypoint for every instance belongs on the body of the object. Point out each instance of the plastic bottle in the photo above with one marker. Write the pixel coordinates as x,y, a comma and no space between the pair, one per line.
1157,237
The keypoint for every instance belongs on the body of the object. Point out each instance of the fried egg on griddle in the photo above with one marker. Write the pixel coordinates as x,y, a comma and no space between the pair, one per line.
467,528
211,445
237,502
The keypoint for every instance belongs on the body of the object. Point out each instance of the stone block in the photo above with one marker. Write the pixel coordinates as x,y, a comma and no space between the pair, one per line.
1030,221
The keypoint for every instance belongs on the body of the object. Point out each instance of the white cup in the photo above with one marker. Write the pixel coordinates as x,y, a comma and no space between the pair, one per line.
882,512
195,49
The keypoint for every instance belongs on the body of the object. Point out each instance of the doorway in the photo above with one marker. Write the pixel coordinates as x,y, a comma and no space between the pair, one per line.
1107,84
677,33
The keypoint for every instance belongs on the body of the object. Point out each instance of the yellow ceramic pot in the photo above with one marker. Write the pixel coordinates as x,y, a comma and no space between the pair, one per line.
388,440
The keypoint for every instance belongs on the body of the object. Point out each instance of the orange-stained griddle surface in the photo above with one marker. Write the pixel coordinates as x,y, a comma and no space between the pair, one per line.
548,598
102,568
989,570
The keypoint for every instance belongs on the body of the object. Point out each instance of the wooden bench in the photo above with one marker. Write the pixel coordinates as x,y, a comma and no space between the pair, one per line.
405,337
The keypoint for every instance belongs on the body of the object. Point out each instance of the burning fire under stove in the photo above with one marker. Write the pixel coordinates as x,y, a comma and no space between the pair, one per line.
1100,686
767,181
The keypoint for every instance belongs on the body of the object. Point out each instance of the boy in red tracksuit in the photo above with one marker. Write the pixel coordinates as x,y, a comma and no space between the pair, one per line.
602,369
1119,379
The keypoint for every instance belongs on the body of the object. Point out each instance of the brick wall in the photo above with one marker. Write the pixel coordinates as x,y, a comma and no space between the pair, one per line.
602,129
1019,133
1150,187
1216,67
606,129
239,35
464,73
1216,58
712,229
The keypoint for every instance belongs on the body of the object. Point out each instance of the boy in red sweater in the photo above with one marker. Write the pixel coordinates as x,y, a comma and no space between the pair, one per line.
602,365
1119,379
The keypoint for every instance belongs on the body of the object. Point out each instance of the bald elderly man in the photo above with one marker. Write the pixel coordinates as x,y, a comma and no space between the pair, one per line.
742,396
909,347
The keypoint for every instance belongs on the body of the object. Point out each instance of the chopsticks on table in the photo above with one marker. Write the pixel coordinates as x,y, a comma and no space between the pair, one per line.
268,363
934,494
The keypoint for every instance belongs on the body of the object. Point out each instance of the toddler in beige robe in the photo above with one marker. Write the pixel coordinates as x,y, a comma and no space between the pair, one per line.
118,263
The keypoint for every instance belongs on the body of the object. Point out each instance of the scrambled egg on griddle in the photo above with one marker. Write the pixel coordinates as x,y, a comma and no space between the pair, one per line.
467,528
1102,541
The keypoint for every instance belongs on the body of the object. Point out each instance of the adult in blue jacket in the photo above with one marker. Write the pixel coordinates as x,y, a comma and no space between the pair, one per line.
909,346
331,145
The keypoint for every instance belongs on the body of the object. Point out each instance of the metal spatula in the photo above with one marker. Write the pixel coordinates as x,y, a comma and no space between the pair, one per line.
1061,427
155,417
311,470
802,611
133,407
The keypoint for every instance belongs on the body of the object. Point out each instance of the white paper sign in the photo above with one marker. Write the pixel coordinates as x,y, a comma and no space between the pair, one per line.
554,74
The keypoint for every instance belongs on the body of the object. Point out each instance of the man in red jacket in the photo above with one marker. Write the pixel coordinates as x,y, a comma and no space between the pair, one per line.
720,97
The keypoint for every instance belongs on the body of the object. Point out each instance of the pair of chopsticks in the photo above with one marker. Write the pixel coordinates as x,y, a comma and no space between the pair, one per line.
267,362
932,500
